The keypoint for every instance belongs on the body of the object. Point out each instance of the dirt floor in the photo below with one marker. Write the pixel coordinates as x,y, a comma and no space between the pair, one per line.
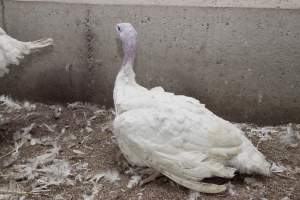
69,152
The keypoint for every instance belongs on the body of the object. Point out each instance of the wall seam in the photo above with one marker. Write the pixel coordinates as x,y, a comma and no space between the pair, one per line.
89,41
3,15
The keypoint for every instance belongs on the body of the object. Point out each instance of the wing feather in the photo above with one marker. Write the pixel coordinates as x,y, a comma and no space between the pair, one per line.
190,153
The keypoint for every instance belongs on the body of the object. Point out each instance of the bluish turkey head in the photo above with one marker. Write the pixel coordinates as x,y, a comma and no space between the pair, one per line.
128,36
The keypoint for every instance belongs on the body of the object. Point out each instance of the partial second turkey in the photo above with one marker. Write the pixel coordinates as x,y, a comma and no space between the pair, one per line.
13,50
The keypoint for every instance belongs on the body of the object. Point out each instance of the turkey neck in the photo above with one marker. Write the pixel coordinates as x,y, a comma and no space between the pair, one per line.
127,73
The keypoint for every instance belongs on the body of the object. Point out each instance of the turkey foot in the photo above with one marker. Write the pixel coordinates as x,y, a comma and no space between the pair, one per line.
121,161
154,175
118,157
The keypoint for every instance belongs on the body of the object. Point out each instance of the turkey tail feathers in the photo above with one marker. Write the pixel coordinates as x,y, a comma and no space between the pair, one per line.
40,44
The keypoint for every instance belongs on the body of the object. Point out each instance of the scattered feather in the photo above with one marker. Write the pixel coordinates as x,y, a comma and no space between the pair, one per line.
111,176
290,138
43,170
263,134
49,128
92,195
107,127
252,181
79,178
231,189
129,171
74,105
78,152
97,177
11,159
70,181
100,112
88,129
193,195
54,174
276,168
12,192
81,166
140,196
88,123
20,138
134,181
57,112
9,103
69,137
297,170
24,134
28,106
59,197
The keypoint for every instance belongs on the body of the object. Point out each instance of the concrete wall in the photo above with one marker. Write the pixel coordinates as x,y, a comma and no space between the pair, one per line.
242,61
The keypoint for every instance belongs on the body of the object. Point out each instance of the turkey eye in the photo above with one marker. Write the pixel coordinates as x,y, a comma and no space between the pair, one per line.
119,29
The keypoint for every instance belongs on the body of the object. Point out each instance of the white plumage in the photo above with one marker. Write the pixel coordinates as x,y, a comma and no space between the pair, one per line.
12,50
176,135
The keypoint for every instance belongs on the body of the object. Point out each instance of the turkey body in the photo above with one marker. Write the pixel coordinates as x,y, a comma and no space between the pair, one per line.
177,135
12,50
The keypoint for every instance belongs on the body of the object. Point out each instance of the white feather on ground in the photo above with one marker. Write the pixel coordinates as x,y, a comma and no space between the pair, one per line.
263,133
91,196
53,174
9,103
140,196
20,138
59,197
231,190
81,166
285,198
193,195
252,181
12,50
290,137
43,170
7,192
78,152
134,181
111,176
277,168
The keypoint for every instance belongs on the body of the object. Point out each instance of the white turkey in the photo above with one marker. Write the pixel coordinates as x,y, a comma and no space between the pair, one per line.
176,135
12,50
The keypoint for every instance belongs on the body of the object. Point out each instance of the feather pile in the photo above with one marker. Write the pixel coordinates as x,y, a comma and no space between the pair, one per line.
47,168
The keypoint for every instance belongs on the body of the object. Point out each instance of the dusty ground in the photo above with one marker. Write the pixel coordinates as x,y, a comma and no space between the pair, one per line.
68,152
